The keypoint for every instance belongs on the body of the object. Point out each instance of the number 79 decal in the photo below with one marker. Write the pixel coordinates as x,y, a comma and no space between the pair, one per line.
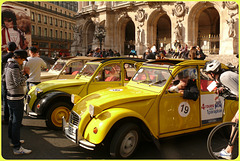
184,109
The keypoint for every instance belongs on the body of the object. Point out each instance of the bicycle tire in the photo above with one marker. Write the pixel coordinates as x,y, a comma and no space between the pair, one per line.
218,139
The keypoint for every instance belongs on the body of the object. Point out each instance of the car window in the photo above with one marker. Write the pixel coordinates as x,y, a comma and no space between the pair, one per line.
58,66
89,69
74,68
152,76
110,72
129,71
204,81
191,72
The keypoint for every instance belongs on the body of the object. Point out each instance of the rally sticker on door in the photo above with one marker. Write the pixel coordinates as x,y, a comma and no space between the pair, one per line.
115,90
184,109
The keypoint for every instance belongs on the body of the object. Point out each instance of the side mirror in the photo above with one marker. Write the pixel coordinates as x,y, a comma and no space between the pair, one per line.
97,78
64,72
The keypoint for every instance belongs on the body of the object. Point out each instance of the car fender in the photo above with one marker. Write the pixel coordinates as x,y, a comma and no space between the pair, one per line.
43,103
106,120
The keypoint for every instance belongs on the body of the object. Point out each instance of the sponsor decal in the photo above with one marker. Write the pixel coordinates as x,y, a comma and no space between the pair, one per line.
212,107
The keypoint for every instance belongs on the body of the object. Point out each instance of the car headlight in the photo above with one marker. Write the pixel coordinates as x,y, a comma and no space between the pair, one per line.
91,110
75,98
94,110
38,91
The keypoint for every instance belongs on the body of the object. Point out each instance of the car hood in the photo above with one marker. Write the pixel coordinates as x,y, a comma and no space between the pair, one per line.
49,74
113,97
60,83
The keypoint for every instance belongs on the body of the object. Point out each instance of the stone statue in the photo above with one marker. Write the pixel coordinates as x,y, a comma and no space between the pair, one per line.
76,28
140,35
77,35
178,31
231,30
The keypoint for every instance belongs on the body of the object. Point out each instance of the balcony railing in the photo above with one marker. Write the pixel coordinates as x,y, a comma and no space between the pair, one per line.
46,9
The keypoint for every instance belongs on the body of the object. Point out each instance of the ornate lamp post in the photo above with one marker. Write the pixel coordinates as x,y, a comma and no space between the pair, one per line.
100,34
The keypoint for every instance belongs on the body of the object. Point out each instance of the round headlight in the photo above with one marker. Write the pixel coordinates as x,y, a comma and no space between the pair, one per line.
91,110
75,98
38,91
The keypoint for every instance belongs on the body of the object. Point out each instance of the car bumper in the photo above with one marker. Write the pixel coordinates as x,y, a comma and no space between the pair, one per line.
71,132
28,111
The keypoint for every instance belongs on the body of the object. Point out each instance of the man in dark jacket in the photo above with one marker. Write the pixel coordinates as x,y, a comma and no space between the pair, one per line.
15,81
11,46
186,86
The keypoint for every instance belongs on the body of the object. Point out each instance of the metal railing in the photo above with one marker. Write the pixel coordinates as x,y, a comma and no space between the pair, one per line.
209,44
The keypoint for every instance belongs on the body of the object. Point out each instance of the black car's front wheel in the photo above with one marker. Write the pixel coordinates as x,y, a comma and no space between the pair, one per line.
125,141
55,114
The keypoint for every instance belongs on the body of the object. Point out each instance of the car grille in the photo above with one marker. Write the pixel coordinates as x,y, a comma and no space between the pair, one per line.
74,118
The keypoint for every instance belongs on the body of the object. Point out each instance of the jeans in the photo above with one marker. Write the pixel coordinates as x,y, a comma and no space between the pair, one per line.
4,101
16,108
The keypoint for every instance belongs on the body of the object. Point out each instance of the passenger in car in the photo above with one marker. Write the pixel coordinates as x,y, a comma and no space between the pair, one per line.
111,75
186,86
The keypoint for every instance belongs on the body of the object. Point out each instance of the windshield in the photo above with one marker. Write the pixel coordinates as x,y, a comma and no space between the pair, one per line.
89,69
58,66
152,76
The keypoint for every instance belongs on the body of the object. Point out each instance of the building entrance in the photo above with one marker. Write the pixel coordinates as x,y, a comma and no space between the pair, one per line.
208,30
129,42
163,32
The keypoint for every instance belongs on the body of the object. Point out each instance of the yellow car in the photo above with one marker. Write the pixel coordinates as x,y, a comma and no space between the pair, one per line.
52,99
120,117
65,68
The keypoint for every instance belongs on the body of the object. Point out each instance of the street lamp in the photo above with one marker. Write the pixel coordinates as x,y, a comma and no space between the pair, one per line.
100,34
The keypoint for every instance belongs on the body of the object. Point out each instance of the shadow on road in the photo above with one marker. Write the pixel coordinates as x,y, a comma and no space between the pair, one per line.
49,144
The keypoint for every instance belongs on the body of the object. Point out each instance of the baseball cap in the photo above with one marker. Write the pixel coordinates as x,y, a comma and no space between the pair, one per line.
21,54
11,46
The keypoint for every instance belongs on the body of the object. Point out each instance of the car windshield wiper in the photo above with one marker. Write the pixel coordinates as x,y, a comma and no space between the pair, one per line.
158,82
145,81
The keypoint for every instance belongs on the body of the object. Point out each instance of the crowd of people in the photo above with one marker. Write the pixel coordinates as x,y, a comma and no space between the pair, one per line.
103,53
18,71
182,51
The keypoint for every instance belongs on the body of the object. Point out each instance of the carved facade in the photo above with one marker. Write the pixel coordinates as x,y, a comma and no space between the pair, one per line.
137,24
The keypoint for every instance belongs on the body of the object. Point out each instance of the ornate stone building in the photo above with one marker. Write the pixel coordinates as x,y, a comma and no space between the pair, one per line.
213,25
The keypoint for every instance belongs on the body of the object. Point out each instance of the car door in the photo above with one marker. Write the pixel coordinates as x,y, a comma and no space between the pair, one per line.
107,76
176,113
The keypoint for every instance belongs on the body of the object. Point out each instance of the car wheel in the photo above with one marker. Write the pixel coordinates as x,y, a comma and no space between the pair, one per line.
55,114
125,141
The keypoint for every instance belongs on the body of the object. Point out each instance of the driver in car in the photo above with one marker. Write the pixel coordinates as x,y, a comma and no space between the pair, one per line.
186,86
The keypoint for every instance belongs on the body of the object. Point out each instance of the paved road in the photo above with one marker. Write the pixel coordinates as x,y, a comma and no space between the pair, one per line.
48,144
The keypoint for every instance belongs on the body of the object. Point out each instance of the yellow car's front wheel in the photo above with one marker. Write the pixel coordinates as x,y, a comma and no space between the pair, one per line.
55,114
125,141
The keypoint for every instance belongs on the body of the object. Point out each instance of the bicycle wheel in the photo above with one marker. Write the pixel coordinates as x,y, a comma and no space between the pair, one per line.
218,139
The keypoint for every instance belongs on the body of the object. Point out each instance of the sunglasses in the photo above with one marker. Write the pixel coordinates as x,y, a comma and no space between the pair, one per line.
8,20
